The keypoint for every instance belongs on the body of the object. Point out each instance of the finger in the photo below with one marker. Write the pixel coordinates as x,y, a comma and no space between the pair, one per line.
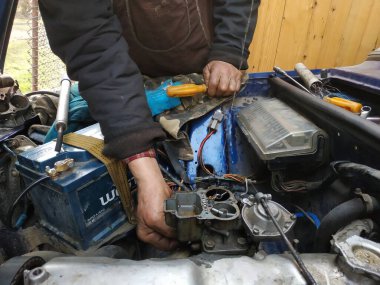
237,82
206,74
223,85
147,235
164,230
232,87
213,83
157,223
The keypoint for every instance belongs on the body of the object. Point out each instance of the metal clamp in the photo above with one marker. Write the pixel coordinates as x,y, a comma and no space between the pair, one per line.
59,167
366,199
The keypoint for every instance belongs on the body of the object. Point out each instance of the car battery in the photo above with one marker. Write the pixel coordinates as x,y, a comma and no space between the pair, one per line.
81,205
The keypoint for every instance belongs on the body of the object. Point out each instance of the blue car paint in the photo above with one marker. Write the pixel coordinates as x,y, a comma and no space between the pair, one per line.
224,151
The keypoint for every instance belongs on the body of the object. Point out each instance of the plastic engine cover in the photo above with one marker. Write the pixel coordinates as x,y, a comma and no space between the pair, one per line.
80,205
275,130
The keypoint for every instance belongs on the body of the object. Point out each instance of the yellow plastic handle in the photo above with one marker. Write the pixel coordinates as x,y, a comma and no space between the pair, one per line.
186,90
349,105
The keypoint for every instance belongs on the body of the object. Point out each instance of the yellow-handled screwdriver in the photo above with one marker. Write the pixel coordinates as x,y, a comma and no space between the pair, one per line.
349,105
186,90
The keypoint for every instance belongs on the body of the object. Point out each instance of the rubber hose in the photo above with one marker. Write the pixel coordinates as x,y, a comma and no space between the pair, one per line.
350,168
340,217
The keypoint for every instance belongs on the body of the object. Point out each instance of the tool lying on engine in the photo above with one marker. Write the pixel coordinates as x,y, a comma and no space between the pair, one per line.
349,105
311,81
279,70
316,87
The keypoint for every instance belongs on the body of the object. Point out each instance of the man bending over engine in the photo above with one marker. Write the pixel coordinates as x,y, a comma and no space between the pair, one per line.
107,46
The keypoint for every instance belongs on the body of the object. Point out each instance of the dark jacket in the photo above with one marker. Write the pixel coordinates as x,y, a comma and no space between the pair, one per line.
166,37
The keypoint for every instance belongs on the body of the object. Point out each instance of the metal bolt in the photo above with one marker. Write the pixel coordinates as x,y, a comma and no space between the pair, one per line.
293,217
209,244
14,173
242,241
255,231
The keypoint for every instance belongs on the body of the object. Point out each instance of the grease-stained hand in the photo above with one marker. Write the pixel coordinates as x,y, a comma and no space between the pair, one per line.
152,191
222,78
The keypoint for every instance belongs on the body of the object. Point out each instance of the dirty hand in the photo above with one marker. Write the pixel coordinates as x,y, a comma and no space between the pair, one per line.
152,192
222,78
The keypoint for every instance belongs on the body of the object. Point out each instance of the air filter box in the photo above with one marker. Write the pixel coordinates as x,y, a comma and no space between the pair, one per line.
279,135
81,206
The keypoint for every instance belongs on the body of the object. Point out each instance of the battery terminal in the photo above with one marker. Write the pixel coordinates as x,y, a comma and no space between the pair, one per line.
59,167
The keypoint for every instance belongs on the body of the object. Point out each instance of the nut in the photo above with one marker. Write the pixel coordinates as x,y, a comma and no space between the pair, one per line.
209,244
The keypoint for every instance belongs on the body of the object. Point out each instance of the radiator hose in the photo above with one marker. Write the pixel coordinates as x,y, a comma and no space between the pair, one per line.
350,169
342,215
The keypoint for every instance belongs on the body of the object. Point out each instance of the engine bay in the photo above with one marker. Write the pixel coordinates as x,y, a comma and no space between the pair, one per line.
281,188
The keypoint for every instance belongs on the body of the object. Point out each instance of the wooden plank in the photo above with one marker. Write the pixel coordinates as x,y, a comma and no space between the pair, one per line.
265,41
295,26
353,33
370,35
321,33
316,32
336,24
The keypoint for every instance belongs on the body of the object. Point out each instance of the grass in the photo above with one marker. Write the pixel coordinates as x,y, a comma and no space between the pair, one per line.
16,61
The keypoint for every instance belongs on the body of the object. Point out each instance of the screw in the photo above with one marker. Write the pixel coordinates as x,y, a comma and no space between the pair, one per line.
255,231
293,217
209,244
296,243
241,241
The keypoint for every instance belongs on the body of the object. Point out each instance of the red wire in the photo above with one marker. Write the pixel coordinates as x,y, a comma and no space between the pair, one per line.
200,151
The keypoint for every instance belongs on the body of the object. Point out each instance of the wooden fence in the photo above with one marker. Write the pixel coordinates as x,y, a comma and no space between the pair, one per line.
320,33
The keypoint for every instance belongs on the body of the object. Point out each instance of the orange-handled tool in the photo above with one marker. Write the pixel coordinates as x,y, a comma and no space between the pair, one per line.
186,90
349,105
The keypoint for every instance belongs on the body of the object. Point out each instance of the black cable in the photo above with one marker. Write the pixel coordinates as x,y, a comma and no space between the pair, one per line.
23,193
304,271
42,92
175,180
59,142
